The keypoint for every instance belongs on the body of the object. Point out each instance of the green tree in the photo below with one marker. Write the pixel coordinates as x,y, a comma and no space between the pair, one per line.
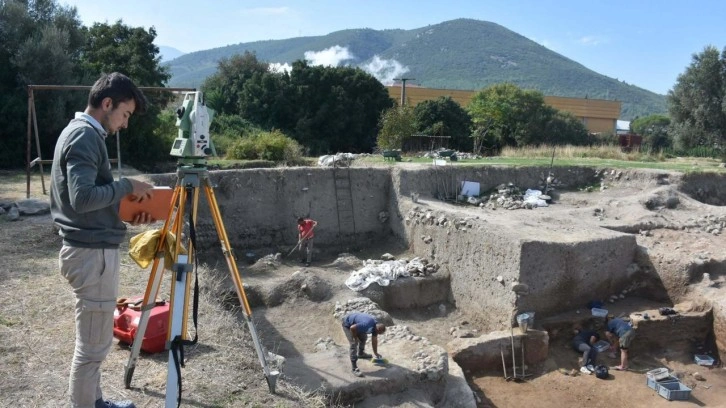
267,99
131,51
509,115
654,129
444,117
697,103
564,128
222,89
40,41
326,109
396,124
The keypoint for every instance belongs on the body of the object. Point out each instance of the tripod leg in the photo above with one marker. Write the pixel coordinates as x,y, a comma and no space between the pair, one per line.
178,305
152,290
177,327
270,375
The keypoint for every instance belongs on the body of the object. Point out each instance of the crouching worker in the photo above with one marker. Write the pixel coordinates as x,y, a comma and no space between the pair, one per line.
620,330
584,342
357,326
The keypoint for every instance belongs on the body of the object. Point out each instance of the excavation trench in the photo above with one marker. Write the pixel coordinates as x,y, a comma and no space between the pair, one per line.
648,238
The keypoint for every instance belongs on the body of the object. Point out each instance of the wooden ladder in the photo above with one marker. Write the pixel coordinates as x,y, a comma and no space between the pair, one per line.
344,202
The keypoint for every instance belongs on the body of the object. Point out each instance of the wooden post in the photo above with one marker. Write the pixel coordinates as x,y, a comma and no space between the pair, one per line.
27,147
37,142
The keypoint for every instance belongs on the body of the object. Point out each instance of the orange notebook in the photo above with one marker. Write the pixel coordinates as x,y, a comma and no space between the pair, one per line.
158,206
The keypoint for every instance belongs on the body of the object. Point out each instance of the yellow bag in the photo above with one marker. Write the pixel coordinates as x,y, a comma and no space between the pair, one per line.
142,248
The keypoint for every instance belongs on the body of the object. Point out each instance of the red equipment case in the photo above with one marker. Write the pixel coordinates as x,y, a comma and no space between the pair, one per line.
126,319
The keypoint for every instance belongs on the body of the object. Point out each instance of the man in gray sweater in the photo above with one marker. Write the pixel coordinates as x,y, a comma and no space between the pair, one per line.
84,202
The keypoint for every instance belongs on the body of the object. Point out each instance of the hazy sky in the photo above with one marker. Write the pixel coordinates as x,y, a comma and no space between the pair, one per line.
647,43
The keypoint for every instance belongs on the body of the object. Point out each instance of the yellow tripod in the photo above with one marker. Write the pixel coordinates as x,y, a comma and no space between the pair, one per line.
185,198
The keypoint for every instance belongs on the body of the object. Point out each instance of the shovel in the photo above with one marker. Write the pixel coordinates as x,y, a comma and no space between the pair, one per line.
297,246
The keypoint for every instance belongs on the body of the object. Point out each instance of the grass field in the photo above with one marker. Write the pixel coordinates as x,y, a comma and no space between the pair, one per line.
596,156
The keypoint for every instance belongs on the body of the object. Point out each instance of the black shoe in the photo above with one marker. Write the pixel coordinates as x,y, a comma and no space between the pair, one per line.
357,373
364,356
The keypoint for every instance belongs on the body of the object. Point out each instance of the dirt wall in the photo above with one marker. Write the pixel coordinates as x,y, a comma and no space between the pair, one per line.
474,259
485,259
563,275
705,187
259,207
563,266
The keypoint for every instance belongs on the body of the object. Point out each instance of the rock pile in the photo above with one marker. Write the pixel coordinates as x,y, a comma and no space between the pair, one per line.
418,216
509,197
12,210
710,224
270,261
346,261
430,361
362,305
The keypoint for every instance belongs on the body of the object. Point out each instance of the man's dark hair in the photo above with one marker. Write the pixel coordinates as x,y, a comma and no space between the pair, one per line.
119,88
301,219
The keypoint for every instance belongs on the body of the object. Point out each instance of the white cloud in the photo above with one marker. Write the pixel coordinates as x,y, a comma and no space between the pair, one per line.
330,57
384,70
264,11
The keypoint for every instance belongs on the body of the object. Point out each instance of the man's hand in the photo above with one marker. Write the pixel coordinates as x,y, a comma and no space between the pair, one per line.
378,356
142,218
142,191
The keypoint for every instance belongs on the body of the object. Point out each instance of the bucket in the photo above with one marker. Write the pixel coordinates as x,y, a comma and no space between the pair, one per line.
523,322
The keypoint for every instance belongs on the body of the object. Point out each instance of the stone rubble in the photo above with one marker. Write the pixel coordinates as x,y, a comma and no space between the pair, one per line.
510,197
709,224
362,305
13,210
431,362
325,344
268,261
346,261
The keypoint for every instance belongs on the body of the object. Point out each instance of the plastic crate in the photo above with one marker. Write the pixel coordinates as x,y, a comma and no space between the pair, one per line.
673,391
704,360
599,312
658,374
653,384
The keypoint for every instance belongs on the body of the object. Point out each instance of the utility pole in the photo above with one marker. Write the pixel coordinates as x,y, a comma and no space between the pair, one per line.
403,88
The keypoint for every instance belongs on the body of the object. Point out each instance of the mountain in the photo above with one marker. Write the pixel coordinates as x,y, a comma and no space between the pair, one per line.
457,54
169,53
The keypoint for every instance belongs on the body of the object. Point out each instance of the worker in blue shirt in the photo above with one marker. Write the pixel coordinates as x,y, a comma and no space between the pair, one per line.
619,330
357,327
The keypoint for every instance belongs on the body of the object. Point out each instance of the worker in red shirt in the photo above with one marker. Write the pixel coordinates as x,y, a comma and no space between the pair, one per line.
306,233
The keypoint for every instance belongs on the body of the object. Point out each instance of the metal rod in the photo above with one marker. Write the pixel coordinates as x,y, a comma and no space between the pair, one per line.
27,146
504,365
37,146
523,364
514,361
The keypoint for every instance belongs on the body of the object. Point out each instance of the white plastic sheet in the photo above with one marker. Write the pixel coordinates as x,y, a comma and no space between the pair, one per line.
532,196
382,272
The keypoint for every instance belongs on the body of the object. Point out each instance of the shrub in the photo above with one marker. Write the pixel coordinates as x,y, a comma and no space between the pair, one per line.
243,149
273,146
226,130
